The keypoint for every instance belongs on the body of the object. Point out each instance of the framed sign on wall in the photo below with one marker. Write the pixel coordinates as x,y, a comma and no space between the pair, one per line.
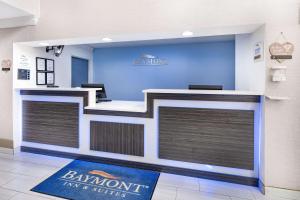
45,71
258,51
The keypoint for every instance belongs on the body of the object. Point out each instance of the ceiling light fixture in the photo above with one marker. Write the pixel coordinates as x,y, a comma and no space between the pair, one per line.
106,39
44,44
187,34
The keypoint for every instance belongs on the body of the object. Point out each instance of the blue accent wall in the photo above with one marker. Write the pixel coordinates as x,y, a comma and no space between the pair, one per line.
194,63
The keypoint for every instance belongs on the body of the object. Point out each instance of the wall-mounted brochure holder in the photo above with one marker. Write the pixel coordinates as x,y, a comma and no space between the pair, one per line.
279,73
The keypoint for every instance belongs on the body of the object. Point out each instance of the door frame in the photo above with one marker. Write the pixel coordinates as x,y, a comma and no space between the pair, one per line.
90,67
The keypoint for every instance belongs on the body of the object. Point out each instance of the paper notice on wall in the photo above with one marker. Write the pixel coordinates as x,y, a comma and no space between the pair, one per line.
50,78
41,78
41,65
23,62
50,65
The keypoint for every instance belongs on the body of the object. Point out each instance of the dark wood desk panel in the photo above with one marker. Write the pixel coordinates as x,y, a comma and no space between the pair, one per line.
207,136
120,138
52,123
64,93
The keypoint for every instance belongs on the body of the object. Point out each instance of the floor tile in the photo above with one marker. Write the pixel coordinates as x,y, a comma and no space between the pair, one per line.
6,194
6,177
23,196
23,171
22,183
42,159
163,192
26,168
178,181
183,194
6,155
288,194
228,189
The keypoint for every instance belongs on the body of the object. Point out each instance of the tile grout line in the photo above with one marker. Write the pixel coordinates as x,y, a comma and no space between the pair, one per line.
29,193
22,161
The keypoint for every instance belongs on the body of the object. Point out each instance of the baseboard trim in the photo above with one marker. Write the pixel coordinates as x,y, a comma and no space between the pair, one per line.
262,187
6,151
161,168
282,192
5,143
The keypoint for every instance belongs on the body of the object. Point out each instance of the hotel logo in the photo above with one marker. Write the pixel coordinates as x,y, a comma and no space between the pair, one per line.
103,183
149,60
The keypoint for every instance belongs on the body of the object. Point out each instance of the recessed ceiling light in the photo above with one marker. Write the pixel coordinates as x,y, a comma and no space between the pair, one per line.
187,34
44,44
106,39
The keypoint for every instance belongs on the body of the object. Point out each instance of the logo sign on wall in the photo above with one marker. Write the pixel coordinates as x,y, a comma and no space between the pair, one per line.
6,65
149,60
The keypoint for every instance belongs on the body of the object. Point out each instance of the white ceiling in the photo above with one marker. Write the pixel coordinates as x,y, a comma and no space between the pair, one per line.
7,11
164,41
18,13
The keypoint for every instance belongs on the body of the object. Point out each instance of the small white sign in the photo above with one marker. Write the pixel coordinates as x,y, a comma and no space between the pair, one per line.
41,65
41,78
50,78
259,52
50,65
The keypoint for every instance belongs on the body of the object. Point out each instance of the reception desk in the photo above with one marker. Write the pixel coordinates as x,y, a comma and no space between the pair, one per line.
209,134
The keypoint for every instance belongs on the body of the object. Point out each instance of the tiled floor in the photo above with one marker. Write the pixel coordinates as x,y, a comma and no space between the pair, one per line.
19,173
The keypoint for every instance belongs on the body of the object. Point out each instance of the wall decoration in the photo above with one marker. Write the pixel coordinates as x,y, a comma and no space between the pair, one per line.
40,78
23,62
50,78
259,51
45,74
50,65
149,60
40,64
281,51
279,73
6,65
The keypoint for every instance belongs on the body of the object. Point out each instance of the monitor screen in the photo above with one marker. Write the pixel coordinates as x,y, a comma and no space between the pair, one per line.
101,93
205,87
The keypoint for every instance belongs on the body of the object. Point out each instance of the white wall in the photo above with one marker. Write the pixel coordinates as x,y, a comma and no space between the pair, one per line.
249,74
62,63
282,119
6,52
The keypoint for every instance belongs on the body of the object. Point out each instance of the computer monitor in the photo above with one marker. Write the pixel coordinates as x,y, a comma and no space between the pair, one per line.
205,87
100,94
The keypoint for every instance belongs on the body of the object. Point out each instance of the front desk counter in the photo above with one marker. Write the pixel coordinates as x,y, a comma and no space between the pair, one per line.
209,134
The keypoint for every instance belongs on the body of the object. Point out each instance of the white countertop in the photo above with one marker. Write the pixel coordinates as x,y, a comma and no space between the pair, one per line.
130,106
137,106
186,91
60,89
